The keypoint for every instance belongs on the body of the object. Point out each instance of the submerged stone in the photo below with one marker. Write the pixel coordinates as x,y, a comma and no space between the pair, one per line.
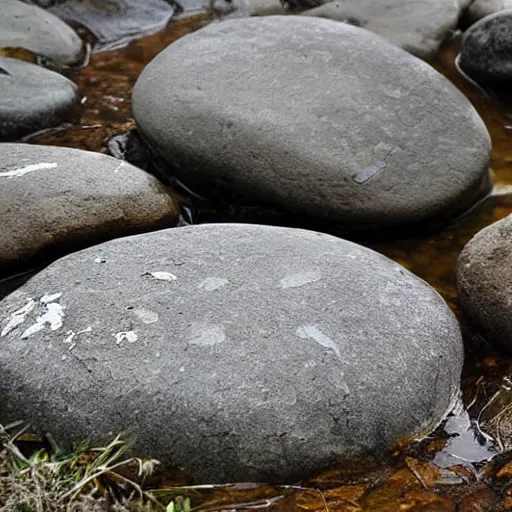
54,199
486,52
315,117
241,352
32,28
484,281
418,27
32,98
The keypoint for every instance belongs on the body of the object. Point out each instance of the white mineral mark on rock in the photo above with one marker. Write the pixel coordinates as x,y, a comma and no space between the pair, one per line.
146,316
53,316
300,279
211,284
18,317
161,276
71,336
312,332
46,299
25,170
207,335
129,336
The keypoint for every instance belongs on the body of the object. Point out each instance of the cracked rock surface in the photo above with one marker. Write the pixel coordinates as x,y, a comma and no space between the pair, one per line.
56,199
242,352
315,117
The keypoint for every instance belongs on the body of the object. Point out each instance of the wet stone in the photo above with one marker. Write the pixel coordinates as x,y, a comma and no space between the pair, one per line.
32,98
53,200
484,281
323,119
32,28
241,352
114,22
418,27
486,53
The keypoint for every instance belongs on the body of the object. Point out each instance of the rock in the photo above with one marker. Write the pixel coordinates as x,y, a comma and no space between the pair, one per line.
484,280
114,22
418,27
42,33
243,352
486,52
55,199
244,8
32,98
323,119
482,8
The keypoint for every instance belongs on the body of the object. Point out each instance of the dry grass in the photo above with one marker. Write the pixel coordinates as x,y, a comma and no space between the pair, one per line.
88,480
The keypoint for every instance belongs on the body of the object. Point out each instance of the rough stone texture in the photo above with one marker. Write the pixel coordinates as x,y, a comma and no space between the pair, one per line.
484,280
32,98
246,353
416,26
32,28
58,198
482,8
113,22
486,53
316,117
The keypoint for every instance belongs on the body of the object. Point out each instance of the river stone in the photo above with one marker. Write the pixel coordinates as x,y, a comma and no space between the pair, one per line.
484,279
482,8
323,118
32,98
42,33
113,22
243,352
486,52
418,27
244,8
54,199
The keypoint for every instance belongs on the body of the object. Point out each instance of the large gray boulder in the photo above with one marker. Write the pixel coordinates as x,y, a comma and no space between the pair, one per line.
482,8
418,27
484,281
32,98
486,52
315,117
32,28
54,199
242,352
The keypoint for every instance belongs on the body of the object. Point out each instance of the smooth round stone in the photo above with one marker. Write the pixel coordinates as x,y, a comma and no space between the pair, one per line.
484,281
486,52
315,117
418,27
32,28
32,98
482,8
55,199
242,352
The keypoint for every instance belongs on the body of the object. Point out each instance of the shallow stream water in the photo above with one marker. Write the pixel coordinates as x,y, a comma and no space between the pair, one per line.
479,429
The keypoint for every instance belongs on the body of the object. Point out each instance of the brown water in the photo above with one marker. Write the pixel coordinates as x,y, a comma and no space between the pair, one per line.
478,431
